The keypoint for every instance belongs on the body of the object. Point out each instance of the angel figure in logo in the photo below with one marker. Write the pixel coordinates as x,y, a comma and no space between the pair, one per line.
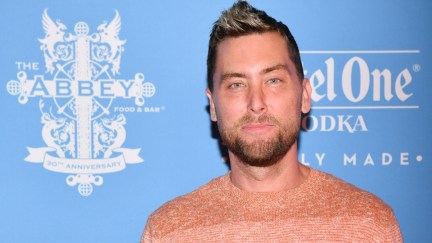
54,33
109,35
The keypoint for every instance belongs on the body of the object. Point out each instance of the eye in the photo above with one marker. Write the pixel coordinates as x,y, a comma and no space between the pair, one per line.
236,86
274,81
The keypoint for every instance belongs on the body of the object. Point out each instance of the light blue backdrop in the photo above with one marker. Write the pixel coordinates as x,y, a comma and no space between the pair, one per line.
375,133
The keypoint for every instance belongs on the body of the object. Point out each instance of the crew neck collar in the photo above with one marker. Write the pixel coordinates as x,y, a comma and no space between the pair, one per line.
239,193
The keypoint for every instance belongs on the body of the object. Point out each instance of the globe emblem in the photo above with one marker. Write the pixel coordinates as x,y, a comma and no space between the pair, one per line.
85,189
81,29
148,89
13,87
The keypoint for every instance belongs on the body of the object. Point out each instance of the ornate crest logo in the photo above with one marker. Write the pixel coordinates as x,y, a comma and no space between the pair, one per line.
82,137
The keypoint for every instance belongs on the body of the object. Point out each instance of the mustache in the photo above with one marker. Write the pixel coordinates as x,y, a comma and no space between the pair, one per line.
246,119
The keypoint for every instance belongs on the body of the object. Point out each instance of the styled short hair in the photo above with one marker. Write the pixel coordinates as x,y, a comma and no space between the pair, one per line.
243,19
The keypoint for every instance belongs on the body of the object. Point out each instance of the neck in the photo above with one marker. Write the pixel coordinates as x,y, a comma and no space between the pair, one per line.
286,174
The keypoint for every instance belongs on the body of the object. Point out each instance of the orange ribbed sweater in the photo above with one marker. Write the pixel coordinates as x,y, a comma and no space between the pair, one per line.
323,209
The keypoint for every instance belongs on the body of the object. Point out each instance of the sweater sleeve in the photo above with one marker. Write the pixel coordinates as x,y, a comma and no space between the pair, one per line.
147,234
393,233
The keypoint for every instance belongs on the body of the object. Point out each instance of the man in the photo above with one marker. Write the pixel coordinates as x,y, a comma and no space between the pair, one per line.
257,94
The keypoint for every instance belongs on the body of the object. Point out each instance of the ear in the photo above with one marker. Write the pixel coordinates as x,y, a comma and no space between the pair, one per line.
306,96
213,116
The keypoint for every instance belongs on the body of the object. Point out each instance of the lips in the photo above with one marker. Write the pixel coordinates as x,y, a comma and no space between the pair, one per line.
263,123
257,127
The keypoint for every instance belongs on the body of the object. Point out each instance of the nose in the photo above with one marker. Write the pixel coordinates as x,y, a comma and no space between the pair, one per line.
257,104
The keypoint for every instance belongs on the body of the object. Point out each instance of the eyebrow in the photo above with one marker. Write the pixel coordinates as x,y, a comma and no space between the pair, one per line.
226,76
275,68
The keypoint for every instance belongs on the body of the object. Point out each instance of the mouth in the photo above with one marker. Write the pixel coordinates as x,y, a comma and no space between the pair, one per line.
256,127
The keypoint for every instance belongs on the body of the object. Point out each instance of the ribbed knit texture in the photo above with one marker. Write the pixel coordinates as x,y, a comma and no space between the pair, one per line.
322,209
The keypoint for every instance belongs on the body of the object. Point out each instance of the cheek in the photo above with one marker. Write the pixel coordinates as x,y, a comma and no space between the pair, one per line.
284,103
228,112
284,109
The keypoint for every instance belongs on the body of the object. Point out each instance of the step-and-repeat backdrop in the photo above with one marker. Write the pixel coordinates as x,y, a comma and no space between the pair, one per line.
89,160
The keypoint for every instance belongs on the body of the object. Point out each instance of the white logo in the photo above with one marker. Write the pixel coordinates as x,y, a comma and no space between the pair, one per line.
347,83
82,137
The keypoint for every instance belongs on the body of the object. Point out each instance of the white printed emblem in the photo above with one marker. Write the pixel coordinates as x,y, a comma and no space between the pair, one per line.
82,137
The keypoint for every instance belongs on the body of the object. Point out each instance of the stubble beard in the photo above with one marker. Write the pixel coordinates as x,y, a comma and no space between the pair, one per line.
261,152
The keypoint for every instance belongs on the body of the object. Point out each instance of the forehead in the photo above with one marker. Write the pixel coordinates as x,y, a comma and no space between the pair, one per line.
252,53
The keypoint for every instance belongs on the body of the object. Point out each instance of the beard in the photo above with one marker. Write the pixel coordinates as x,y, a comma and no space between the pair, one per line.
261,152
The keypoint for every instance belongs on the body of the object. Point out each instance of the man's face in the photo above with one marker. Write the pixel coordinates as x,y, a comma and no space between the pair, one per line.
257,98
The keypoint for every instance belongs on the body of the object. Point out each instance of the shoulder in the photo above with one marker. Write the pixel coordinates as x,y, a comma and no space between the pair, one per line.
351,200
185,211
332,187
192,199
362,207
